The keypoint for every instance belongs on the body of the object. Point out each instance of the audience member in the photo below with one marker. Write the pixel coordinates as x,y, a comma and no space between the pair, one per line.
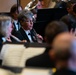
70,18
60,4
14,11
26,32
52,31
40,4
6,28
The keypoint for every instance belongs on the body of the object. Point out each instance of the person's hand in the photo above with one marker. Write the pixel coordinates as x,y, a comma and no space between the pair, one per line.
23,41
40,38
8,39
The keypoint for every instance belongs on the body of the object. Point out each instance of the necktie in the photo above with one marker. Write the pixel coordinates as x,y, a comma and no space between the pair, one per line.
32,37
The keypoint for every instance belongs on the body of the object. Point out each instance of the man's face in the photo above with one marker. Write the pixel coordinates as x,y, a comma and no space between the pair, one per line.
28,24
15,15
40,5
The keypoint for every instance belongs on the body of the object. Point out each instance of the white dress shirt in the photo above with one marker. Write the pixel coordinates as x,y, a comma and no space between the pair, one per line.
29,36
16,25
3,39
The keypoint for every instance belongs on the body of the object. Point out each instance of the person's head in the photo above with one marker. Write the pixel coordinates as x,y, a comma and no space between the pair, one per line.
40,4
62,56
5,26
53,29
70,5
61,46
26,19
14,11
57,36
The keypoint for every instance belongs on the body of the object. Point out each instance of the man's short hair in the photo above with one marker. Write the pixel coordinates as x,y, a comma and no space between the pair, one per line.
4,23
53,29
13,9
25,14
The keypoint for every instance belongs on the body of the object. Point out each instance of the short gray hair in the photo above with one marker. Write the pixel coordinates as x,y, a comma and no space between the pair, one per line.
25,14
4,23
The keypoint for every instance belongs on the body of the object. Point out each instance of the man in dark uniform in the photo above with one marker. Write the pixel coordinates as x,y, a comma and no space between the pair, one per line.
26,32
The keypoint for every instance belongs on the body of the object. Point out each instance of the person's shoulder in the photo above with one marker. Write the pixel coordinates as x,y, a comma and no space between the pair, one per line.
16,33
37,60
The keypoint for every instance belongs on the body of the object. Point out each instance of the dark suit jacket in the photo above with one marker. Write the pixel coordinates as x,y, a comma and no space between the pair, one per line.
23,36
41,61
14,29
64,71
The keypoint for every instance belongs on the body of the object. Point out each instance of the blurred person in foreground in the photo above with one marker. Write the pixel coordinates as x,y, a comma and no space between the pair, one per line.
27,32
72,60
47,59
66,59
